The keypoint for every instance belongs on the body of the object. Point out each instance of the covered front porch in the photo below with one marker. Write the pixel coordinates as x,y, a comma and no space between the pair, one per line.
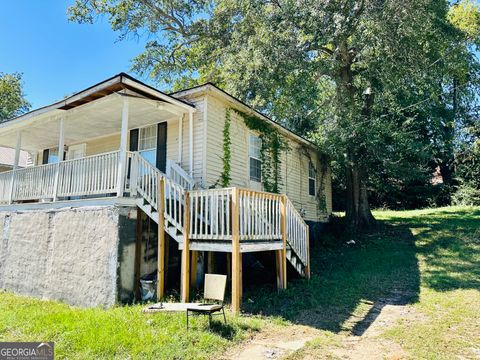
80,146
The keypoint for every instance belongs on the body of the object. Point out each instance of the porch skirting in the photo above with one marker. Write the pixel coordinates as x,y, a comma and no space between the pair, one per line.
68,254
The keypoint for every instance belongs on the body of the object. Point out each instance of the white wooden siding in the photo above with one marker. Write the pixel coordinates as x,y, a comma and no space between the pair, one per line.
294,164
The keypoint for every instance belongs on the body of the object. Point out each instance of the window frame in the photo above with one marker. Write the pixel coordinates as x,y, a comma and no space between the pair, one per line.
141,131
152,151
255,157
311,168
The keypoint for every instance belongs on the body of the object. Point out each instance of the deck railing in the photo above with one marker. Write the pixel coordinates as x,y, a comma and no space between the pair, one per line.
210,214
174,203
297,232
259,215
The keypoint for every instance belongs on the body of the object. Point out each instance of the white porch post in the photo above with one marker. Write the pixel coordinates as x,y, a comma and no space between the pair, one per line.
122,158
180,140
15,165
61,147
190,142
17,150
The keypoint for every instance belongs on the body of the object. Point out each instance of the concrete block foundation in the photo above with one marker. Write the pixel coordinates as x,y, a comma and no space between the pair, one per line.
75,255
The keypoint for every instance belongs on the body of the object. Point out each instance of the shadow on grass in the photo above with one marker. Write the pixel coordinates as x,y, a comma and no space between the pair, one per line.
227,331
381,268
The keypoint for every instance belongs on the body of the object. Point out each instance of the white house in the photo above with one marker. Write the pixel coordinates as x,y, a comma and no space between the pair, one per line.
127,180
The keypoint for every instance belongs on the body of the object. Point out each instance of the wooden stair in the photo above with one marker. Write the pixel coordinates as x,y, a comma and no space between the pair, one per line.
297,230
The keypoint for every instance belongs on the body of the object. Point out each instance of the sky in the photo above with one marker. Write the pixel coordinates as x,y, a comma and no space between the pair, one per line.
58,57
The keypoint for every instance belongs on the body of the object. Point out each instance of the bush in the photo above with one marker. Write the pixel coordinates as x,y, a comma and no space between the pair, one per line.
466,195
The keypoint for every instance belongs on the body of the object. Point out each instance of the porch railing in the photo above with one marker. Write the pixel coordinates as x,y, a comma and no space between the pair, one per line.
5,186
89,176
34,183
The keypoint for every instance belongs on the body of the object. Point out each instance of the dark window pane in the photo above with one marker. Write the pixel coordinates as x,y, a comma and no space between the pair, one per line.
311,187
255,170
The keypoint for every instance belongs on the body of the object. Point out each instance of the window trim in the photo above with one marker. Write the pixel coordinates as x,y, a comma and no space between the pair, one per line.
314,178
141,129
250,156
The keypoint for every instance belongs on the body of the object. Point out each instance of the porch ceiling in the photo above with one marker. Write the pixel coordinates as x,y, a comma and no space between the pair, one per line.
98,118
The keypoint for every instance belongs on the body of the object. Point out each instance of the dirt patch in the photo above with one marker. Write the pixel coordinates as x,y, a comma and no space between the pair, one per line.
358,338
273,343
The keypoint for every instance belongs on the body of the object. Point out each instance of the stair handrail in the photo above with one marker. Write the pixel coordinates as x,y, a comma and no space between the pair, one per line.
145,180
297,232
176,173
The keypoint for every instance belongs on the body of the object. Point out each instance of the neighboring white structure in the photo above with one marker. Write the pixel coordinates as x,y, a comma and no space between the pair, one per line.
7,159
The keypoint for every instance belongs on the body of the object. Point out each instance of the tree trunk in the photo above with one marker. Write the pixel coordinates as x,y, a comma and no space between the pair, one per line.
447,161
358,213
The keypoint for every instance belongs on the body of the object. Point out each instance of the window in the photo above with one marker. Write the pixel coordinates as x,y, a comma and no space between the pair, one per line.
52,156
147,143
255,145
312,179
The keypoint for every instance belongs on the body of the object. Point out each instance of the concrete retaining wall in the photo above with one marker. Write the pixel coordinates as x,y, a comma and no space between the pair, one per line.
66,254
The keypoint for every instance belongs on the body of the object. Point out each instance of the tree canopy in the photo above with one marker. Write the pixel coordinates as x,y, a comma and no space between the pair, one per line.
12,99
378,84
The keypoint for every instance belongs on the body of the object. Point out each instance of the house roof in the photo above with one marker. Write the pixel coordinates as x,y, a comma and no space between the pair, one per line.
209,86
104,88
122,81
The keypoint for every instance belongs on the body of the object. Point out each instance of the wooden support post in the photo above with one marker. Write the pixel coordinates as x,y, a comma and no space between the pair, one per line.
167,261
307,268
211,262
185,281
240,276
279,266
161,239
236,255
283,229
229,266
193,272
138,254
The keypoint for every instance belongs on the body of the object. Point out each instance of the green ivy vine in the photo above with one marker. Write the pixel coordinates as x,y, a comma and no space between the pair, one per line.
322,172
273,145
225,177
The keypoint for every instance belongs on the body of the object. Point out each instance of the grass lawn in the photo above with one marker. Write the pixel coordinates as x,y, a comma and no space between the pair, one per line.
427,261
121,332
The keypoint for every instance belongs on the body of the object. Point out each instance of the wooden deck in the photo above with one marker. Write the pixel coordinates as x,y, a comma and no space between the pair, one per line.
233,220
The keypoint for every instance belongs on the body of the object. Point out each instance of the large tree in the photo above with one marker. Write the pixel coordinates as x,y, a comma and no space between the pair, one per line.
12,99
360,77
